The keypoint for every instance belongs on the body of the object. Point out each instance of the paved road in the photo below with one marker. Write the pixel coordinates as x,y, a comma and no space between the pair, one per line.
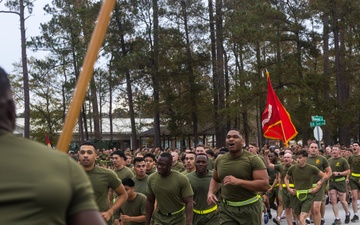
329,215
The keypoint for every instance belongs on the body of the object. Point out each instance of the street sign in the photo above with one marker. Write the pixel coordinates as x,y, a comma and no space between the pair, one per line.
318,133
317,123
317,118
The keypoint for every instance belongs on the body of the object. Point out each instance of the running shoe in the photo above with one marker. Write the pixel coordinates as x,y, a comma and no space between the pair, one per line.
347,218
266,218
336,222
322,222
276,221
355,219
307,220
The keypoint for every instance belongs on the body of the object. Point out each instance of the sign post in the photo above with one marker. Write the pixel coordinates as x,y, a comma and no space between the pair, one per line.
316,122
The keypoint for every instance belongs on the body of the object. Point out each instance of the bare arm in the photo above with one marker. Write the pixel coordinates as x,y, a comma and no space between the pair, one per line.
320,182
286,180
276,181
328,173
343,173
136,219
268,164
150,201
214,187
120,200
189,209
260,181
91,217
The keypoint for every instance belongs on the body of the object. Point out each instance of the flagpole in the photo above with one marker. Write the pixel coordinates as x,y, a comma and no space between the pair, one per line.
283,131
96,41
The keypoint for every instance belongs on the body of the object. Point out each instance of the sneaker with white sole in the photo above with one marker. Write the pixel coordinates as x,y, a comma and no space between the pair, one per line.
355,219
276,221
322,222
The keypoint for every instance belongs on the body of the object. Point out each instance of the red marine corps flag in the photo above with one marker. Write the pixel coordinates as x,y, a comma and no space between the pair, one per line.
276,121
47,140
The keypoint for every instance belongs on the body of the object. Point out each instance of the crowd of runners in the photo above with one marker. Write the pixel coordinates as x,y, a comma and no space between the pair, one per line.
196,186
297,195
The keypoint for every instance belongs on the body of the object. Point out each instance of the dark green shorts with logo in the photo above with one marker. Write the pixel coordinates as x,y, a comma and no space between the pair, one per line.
248,214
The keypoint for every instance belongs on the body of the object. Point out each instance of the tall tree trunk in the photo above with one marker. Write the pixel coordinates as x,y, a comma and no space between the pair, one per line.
134,142
219,77
326,69
304,126
85,126
227,90
341,86
192,85
25,71
110,101
260,106
87,23
213,62
95,110
155,76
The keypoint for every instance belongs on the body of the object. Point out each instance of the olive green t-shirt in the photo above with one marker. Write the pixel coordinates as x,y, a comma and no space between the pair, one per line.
282,169
169,191
102,179
210,164
338,165
151,172
200,186
135,207
40,185
272,175
124,172
320,162
141,185
240,167
303,176
354,163
179,166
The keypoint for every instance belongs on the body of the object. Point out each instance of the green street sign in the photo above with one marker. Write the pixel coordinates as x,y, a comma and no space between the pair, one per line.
317,118
317,123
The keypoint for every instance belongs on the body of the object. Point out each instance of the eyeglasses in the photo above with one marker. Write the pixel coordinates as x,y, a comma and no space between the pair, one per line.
89,152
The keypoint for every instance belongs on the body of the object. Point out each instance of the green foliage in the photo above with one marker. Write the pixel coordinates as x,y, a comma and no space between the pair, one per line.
285,37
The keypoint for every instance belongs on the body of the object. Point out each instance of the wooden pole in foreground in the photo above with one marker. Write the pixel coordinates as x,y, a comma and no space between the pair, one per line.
96,41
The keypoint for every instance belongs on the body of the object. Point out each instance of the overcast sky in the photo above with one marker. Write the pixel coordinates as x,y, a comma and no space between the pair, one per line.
10,43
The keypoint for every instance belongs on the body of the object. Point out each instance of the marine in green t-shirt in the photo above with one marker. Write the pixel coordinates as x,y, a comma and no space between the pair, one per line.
200,181
140,175
354,162
134,209
189,163
337,184
118,159
176,164
150,161
303,176
242,175
173,194
39,185
102,180
322,164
